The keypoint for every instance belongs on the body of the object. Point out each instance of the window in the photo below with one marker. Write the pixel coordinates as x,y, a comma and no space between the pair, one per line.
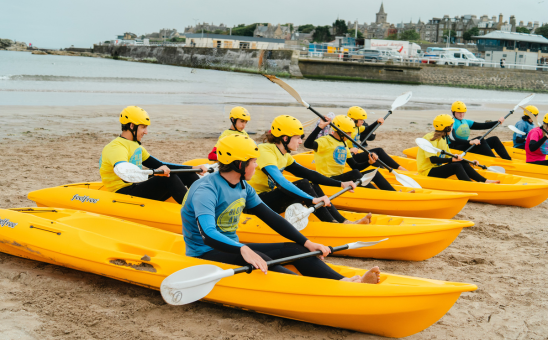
244,45
505,55
457,55
219,43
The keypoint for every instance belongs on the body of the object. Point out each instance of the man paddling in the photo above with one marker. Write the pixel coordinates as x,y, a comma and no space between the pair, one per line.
127,148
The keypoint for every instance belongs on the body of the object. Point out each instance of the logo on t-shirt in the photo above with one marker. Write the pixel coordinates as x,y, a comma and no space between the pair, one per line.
463,132
137,158
339,155
229,219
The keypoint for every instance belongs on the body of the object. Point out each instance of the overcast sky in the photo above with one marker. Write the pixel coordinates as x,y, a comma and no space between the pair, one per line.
61,23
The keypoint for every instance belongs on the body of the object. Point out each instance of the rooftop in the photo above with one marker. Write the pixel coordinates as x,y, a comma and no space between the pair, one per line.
233,37
500,35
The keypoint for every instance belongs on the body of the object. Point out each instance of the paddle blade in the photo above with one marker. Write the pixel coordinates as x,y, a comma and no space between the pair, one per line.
297,215
288,88
524,101
406,181
531,115
360,244
497,169
191,284
368,177
426,145
401,100
516,130
131,173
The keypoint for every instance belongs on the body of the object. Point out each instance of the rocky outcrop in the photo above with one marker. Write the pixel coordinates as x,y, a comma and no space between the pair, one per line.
66,53
39,52
9,45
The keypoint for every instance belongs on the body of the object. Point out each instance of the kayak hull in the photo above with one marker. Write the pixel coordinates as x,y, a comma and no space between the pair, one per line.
114,248
514,152
410,239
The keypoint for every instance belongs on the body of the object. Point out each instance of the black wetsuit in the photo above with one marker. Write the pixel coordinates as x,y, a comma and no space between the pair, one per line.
486,144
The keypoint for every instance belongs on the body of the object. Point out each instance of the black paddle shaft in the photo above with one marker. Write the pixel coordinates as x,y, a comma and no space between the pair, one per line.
376,127
319,205
249,268
176,171
488,132
358,145
443,152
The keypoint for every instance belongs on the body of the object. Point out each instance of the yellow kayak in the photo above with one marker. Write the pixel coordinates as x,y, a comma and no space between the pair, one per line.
411,239
514,152
513,167
422,203
515,190
145,256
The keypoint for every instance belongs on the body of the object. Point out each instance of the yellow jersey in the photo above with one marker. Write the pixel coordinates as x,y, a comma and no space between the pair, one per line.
355,136
119,150
331,156
231,132
423,162
269,155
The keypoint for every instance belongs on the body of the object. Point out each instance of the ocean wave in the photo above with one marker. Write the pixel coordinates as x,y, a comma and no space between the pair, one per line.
5,77
37,77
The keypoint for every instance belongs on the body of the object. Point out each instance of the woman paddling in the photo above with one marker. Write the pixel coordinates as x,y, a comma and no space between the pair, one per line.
461,133
276,191
331,154
435,165
211,214
238,119
525,125
536,147
359,134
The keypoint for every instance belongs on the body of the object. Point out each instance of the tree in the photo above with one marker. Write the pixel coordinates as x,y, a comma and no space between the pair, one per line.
393,36
543,30
339,27
473,32
410,35
523,30
352,34
321,34
306,28
244,30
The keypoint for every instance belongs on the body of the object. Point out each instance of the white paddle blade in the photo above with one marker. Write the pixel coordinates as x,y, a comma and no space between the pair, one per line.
426,145
524,101
368,177
360,244
297,214
192,283
401,100
406,181
531,115
497,169
516,130
288,88
131,173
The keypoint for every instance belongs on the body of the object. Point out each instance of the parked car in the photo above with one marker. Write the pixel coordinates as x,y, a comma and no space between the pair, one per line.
370,55
471,44
391,55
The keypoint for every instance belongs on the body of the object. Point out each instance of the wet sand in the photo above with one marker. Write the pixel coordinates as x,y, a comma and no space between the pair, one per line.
504,253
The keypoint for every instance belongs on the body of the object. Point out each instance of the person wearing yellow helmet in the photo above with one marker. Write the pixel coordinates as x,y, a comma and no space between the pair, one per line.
331,154
212,210
442,166
239,117
536,147
275,190
127,148
525,125
459,138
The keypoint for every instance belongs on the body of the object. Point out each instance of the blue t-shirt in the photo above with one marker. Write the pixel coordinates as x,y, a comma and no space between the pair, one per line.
212,197
524,126
461,129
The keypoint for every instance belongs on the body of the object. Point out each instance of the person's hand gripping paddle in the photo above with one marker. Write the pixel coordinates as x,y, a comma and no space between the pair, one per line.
400,101
131,173
402,179
194,283
297,214
428,147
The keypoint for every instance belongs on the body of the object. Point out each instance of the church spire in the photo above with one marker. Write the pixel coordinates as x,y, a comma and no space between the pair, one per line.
382,8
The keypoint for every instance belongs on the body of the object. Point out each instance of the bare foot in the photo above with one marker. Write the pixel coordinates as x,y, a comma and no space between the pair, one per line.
412,191
372,276
492,181
364,220
356,279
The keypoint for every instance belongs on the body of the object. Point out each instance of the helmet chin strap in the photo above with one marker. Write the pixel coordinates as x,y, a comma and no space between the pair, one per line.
134,132
285,144
239,167
234,121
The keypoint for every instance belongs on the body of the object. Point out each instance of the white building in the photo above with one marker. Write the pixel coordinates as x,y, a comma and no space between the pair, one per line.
233,41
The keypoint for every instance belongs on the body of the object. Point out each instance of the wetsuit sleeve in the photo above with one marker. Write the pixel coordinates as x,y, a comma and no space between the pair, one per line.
535,145
278,223
311,175
368,129
521,139
355,165
483,126
154,163
213,238
440,160
284,185
310,142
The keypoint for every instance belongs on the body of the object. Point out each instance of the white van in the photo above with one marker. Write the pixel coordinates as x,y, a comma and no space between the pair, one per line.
458,56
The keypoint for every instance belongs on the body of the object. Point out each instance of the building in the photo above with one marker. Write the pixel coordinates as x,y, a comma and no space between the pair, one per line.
273,32
233,41
206,28
512,41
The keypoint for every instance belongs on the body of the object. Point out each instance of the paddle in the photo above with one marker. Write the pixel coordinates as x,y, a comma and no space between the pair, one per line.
297,214
400,101
516,130
193,283
402,179
523,102
428,147
534,118
131,173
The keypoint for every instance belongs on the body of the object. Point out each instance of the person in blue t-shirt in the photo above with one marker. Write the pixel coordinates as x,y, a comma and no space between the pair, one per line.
525,125
211,214
461,132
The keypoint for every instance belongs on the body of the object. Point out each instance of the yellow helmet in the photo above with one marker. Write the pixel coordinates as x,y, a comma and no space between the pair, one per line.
443,121
545,120
345,123
356,112
240,113
286,126
458,106
532,109
135,115
236,148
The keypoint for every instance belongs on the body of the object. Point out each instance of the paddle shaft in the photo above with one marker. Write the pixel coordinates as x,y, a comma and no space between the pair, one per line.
319,205
376,127
358,145
249,268
488,132
177,171
443,152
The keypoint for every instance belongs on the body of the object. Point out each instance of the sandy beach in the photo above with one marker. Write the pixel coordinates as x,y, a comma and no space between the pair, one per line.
504,254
